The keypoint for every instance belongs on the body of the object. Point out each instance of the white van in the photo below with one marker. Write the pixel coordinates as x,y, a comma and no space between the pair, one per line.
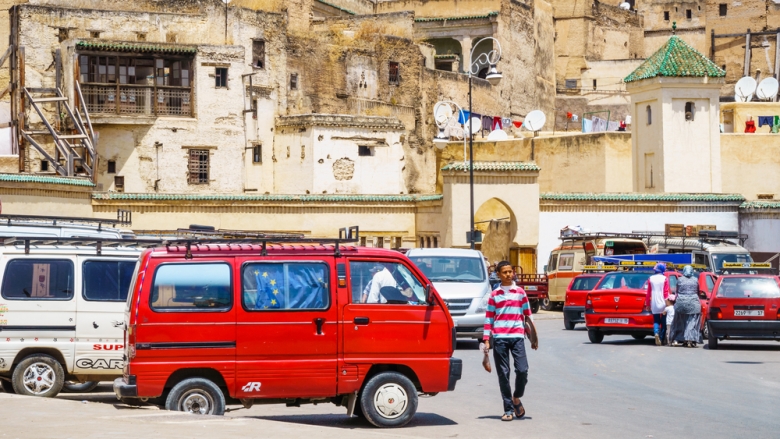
61,313
63,227
460,276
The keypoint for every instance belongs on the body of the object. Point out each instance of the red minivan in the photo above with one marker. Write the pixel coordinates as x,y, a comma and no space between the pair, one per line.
574,305
744,307
285,323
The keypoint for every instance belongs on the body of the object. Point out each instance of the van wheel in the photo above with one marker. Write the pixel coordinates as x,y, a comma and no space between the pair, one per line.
568,324
547,305
198,396
7,386
534,306
389,400
77,387
38,375
712,342
595,336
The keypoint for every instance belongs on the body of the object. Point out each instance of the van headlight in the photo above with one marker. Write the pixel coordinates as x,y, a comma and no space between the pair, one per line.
483,303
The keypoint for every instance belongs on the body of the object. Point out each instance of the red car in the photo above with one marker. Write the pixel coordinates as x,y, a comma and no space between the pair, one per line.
576,292
617,305
706,285
744,307
266,323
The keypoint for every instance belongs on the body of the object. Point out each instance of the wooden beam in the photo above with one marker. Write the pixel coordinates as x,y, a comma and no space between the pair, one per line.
777,58
747,54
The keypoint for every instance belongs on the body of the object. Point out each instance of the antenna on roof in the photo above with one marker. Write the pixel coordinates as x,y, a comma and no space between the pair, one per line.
535,120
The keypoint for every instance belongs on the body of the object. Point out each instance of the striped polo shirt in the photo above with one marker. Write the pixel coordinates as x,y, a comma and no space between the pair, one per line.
505,313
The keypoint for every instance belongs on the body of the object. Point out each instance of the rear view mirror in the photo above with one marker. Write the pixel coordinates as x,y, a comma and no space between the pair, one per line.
428,294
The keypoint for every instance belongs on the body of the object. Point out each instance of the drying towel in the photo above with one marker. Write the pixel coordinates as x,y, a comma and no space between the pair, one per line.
497,125
766,120
587,125
613,126
517,123
463,116
750,126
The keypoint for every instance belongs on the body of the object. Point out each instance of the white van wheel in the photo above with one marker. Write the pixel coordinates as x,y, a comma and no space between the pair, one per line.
197,396
77,387
38,375
389,400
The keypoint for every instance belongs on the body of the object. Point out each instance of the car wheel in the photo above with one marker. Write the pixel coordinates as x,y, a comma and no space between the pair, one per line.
712,342
534,306
7,386
546,304
389,400
568,324
197,396
595,336
705,331
639,336
77,387
38,375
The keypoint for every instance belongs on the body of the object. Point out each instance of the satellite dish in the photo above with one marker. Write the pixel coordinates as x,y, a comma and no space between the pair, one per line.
535,120
497,135
474,125
744,89
442,112
625,6
767,89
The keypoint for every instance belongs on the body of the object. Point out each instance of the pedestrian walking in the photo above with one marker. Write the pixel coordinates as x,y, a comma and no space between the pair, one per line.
508,311
657,294
669,314
686,329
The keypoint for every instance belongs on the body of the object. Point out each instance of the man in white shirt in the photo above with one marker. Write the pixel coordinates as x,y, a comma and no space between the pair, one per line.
383,278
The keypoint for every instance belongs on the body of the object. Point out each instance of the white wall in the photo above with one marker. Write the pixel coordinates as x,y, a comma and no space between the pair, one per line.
763,233
550,224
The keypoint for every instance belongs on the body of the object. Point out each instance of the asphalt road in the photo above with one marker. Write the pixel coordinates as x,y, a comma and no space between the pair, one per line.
621,388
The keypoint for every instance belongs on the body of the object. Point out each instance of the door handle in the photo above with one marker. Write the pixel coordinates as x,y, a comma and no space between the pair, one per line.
361,320
319,322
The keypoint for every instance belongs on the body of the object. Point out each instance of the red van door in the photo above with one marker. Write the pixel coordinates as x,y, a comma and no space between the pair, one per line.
287,329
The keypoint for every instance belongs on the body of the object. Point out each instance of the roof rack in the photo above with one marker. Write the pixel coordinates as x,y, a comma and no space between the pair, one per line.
123,218
98,243
598,235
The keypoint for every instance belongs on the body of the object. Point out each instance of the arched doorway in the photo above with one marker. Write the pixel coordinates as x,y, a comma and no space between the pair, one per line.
498,226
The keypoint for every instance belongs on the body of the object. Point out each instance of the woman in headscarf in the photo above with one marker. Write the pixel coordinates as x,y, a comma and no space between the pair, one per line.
686,328
657,293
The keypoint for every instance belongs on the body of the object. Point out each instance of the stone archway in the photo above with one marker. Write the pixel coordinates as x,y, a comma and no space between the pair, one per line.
498,225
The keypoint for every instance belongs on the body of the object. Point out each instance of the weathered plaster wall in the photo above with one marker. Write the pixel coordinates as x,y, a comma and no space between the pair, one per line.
22,198
750,163
440,8
733,115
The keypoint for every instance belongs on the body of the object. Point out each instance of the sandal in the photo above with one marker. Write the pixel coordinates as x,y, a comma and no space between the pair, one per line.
518,413
507,416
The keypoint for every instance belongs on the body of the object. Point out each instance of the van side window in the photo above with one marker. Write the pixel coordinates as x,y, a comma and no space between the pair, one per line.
553,262
107,281
566,261
701,259
285,286
192,287
710,283
384,282
39,279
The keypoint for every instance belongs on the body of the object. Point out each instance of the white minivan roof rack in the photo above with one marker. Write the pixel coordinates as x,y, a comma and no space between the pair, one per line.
123,218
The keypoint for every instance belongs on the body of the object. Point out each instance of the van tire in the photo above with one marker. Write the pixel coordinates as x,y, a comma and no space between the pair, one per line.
389,388
595,336
77,387
534,306
547,305
568,324
197,396
38,368
7,386
712,341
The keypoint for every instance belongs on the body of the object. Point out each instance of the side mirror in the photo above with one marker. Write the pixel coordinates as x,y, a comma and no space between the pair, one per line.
428,294
702,295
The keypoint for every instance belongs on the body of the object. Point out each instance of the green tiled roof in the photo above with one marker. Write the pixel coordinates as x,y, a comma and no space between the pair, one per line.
28,178
337,7
627,196
675,59
447,56
761,204
124,46
263,197
462,17
493,166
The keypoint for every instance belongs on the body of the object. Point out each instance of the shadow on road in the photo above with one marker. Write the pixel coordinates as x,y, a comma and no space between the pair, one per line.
342,421
468,344
498,418
736,346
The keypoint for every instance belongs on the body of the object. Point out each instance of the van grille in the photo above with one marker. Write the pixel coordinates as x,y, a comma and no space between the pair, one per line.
458,307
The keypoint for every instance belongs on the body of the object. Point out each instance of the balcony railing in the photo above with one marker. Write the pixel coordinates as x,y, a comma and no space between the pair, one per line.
138,100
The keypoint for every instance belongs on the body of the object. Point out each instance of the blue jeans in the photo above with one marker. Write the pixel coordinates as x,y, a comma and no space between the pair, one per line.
659,326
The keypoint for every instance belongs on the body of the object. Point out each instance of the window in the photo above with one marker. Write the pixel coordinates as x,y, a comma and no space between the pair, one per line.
140,36
428,240
258,54
451,269
746,287
380,242
570,83
107,281
553,264
221,77
701,259
690,109
398,242
111,167
723,9
365,151
624,280
435,242
94,34
257,154
293,81
192,286
585,283
199,166
566,261
688,14
363,241
285,286
594,84
395,75
649,159
422,242
44,165
710,282
119,183
44,279
63,34
649,112
666,15
384,282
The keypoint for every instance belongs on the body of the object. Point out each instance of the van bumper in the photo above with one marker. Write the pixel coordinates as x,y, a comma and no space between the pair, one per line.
470,326
124,390
574,314
456,370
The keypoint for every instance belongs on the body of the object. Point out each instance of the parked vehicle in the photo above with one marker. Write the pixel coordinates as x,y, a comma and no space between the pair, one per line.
65,227
61,312
267,323
535,286
712,248
580,286
460,277
744,307
617,305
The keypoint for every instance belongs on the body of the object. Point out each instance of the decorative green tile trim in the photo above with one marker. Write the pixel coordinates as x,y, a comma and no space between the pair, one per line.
273,197
463,17
337,7
121,46
760,205
624,196
676,59
493,166
28,178
447,56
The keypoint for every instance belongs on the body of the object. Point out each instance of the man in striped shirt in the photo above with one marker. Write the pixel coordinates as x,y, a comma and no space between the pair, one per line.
504,319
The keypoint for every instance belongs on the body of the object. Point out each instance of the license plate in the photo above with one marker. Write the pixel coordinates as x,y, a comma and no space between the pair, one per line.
618,321
530,288
748,312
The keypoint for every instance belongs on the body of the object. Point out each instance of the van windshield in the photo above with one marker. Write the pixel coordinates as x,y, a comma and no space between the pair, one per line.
719,258
450,268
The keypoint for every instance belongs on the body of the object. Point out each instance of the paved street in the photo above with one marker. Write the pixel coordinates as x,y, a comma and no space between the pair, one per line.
620,389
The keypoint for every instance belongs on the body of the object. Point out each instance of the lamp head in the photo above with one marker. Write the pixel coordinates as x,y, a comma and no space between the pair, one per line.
493,76
440,141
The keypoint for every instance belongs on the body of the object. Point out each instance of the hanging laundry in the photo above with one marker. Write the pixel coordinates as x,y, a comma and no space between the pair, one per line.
622,126
587,125
613,126
517,123
599,124
750,126
766,120
463,116
453,130
574,118
776,125
568,115
487,123
497,125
